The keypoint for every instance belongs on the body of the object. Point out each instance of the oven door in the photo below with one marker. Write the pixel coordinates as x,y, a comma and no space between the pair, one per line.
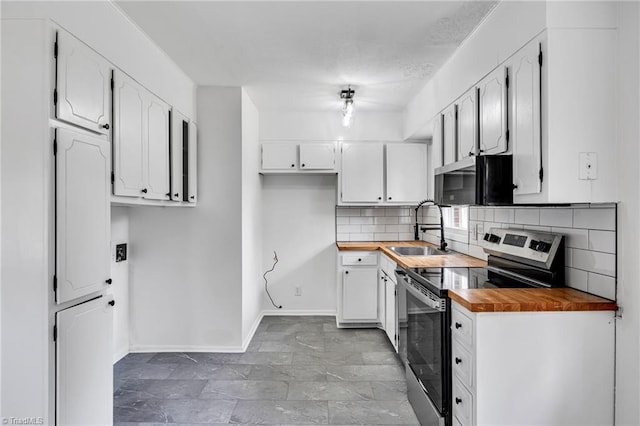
428,343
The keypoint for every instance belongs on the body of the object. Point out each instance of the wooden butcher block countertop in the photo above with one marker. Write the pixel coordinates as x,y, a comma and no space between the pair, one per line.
453,260
529,300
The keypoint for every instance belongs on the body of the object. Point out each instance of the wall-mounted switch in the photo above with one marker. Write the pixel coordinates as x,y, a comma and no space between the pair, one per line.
588,167
298,291
121,252
479,231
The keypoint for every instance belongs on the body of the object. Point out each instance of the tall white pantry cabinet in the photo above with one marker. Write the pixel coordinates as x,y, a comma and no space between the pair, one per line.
56,188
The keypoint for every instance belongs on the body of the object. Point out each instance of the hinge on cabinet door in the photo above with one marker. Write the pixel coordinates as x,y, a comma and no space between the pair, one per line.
55,145
55,333
55,96
112,83
507,81
55,283
541,174
540,54
55,47
507,135
113,178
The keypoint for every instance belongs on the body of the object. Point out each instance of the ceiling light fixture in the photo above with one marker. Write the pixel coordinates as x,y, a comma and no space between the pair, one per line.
347,108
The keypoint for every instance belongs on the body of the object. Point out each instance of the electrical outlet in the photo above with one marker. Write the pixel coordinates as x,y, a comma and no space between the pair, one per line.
588,167
298,291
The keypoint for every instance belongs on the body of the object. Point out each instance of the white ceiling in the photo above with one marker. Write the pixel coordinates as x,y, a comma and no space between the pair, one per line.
300,54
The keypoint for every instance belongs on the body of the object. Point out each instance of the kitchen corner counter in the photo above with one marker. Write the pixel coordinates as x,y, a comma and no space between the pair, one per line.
453,260
529,300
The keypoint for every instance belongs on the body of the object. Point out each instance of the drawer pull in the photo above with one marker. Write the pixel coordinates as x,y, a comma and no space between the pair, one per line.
458,400
359,260
458,325
458,360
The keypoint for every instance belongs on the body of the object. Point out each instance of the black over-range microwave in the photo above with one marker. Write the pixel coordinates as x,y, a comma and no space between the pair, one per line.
485,180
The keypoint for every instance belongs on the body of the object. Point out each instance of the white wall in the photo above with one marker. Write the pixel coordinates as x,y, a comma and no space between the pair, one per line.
299,211
105,28
120,283
251,220
628,327
186,263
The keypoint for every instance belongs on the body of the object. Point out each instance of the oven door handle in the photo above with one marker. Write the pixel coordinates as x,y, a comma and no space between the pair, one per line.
424,296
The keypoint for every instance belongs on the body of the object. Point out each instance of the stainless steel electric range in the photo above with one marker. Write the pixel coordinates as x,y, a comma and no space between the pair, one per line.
517,259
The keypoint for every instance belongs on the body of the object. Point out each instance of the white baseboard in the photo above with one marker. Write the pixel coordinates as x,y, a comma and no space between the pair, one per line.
185,348
249,336
298,312
120,353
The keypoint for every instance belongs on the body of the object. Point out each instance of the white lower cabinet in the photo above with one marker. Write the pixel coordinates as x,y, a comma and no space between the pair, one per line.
389,291
525,368
84,364
358,288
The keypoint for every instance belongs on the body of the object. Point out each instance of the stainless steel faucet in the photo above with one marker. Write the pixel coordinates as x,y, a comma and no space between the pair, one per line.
427,226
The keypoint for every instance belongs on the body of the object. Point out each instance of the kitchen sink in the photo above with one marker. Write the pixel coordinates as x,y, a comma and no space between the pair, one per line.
417,251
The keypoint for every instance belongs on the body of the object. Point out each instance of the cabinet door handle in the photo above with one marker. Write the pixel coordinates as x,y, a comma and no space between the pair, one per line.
176,195
471,153
514,186
302,164
458,360
293,165
379,198
112,302
389,197
346,272
458,325
105,126
108,281
458,400
144,190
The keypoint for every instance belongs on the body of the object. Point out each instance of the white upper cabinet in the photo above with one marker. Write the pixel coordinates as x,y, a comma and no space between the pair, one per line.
140,141
157,114
406,172
468,124
280,156
128,136
524,92
493,112
449,134
192,162
83,85
84,358
318,156
362,174
83,212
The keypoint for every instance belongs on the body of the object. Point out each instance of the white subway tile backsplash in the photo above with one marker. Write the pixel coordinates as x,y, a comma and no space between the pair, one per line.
602,286
575,238
575,278
590,234
373,228
602,241
391,220
556,217
343,229
593,261
386,236
595,218
368,236
361,220
527,216
503,215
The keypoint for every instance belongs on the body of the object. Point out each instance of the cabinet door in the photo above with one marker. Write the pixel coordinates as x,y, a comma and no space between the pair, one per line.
83,214
179,137
493,112
192,163
83,85
390,312
280,156
84,364
360,294
449,135
128,136
317,156
468,124
406,172
157,149
525,119
362,178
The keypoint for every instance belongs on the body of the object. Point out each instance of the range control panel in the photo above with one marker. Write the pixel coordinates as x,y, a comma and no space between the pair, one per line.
538,247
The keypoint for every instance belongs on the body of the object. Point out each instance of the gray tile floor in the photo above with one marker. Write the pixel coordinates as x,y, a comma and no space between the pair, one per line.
296,371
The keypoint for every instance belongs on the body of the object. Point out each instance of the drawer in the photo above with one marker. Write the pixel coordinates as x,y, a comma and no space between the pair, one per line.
462,327
462,403
359,259
462,363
